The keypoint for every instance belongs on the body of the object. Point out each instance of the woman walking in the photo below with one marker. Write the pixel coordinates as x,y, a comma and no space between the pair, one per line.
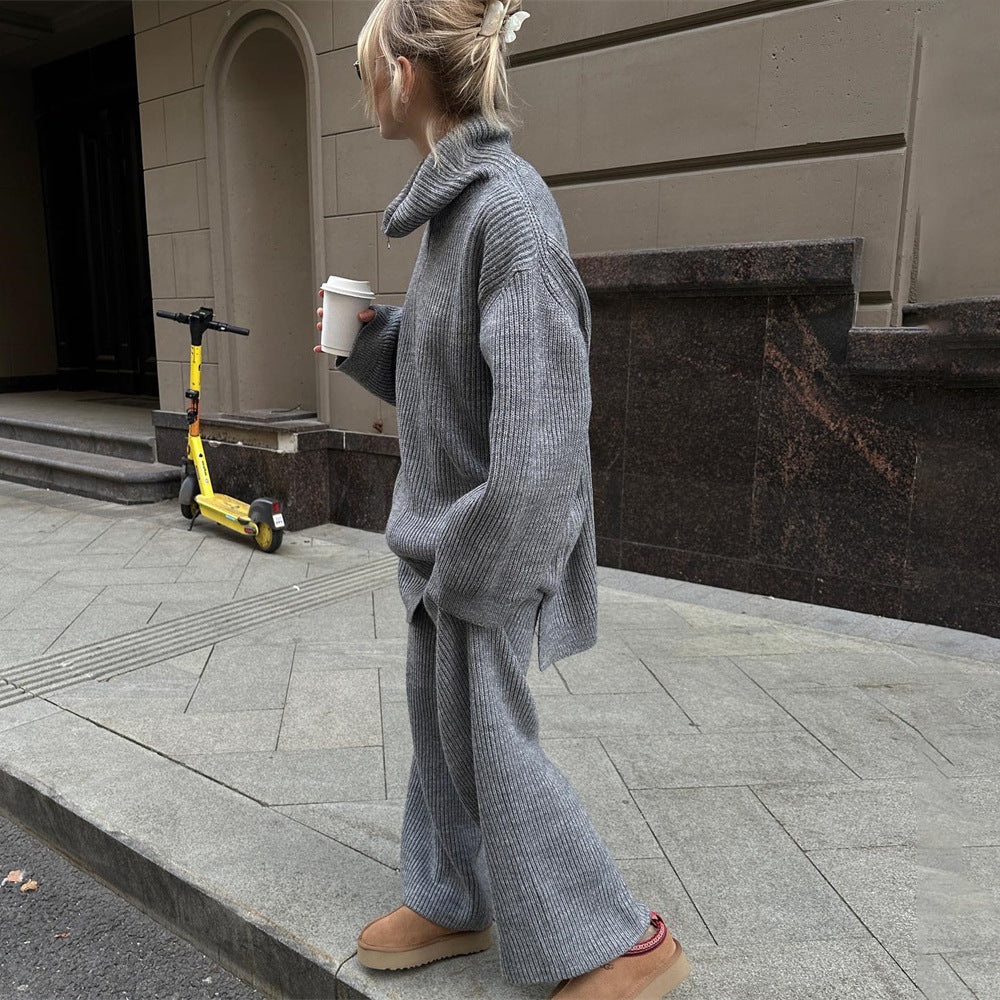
492,519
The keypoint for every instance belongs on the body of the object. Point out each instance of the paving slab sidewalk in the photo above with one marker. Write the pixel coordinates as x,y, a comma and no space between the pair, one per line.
808,795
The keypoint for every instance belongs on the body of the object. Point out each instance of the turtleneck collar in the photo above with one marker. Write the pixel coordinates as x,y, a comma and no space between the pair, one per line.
430,188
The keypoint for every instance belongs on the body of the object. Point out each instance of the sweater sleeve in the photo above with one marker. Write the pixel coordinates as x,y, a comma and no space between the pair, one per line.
372,361
501,539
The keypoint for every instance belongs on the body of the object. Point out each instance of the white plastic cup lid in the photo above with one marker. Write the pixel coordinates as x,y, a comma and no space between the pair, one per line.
347,286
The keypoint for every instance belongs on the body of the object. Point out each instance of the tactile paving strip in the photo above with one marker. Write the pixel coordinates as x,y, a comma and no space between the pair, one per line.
153,643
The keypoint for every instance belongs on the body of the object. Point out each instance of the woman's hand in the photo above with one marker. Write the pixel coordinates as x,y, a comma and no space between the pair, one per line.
366,316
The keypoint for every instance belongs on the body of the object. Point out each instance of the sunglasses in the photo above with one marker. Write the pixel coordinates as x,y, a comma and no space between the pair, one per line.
357,68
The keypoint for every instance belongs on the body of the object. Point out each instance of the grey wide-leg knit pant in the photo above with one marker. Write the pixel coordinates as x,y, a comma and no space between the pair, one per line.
492,830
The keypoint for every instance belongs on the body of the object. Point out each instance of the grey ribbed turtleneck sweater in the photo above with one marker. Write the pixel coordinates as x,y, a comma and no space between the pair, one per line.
487,364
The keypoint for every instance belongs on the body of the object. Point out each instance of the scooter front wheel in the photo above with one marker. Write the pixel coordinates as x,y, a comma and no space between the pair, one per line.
189,489
268,539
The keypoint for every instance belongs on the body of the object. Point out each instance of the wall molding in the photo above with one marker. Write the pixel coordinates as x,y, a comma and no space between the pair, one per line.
892,142
657,29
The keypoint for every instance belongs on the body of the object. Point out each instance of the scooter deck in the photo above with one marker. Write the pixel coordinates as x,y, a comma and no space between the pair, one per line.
227,511
223,504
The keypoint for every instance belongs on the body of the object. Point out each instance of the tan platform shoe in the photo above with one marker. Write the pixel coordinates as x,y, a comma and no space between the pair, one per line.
403,940
649,970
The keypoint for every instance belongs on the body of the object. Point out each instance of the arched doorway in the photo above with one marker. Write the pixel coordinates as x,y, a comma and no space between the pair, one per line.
265,193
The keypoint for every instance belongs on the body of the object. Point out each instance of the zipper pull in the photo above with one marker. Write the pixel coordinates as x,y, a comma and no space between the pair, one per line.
387,245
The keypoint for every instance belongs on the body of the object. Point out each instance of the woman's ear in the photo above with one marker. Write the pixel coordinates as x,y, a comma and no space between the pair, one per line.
405,76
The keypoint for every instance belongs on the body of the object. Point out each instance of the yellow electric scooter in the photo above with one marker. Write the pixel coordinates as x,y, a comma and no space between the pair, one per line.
263,518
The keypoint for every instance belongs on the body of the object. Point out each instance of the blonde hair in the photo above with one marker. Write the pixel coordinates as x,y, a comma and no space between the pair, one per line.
466,71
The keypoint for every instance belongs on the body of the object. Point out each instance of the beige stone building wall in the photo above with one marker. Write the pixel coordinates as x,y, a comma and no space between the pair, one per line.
657,123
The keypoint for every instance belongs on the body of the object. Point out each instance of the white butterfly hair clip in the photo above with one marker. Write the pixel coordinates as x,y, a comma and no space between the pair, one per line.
494,19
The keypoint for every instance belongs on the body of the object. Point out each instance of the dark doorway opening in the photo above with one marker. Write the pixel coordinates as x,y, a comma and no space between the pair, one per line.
87,116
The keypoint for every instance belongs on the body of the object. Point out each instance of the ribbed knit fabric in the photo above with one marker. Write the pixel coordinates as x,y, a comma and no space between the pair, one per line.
487,364
491,829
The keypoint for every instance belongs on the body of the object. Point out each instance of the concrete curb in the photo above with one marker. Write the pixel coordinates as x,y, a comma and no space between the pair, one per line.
257,951
262,953
273,901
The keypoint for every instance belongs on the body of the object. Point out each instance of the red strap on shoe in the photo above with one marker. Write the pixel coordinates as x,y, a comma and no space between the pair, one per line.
643,947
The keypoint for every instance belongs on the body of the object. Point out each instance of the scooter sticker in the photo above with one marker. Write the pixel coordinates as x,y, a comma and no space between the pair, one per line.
279,520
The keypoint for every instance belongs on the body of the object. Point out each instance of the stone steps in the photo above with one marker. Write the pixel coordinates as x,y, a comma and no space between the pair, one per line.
87,473
138,447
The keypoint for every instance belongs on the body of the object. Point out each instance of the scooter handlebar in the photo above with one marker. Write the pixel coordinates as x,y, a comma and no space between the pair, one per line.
210,325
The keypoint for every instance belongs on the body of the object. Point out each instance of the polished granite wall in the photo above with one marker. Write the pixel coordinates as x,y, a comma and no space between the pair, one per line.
743,435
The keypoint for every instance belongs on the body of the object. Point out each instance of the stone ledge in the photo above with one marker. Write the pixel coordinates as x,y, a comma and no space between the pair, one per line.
278,435
919,354
798,266
285,436
945,343
970,320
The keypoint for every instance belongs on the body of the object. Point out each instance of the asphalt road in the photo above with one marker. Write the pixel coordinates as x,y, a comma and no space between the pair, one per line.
111,951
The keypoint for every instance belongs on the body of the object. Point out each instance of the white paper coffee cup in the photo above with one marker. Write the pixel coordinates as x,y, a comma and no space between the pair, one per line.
343,299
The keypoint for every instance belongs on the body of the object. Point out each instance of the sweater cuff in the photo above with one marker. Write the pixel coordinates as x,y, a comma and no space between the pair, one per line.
485,610
370,331
372,361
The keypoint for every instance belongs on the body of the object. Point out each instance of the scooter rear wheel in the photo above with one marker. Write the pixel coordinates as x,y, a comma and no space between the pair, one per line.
268,539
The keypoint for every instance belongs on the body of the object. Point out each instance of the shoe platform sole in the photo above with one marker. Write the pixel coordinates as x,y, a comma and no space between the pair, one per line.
658,988
467,943
678,970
